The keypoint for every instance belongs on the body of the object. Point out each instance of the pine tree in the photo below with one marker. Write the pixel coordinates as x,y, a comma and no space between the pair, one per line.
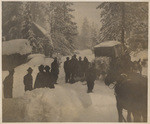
85,34
120,20
11,20
93,35
27,32
62,28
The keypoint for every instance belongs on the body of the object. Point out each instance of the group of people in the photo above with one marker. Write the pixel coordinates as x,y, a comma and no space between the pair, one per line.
77,68
45,77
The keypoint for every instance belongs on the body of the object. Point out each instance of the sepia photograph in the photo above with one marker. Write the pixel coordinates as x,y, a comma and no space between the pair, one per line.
74,61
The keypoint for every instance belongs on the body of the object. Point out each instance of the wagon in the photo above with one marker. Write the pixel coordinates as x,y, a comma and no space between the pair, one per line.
111,49
105,52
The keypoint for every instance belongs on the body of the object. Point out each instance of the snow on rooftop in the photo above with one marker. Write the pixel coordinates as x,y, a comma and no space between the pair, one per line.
21,46
107,44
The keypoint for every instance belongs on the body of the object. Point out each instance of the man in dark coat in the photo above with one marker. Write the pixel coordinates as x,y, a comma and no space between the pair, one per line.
75,65
73,68
55,70
67,70
28,80
48,78
40,78
90,77
8,84
85,65
80,67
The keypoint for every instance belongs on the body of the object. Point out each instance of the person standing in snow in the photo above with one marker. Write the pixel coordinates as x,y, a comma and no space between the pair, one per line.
8,84
90,77
55,70
85,65
40,78
80,67
48,78
73,68
28,80
75,65
67,70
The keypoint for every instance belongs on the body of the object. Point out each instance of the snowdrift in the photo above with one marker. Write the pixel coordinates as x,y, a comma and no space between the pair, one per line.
14,53
65,103
49,105
45,105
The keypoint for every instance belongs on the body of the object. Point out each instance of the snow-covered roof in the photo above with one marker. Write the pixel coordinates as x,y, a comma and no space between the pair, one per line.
21,46
107,44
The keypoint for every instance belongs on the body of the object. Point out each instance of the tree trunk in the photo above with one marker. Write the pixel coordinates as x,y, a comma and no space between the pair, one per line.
123,23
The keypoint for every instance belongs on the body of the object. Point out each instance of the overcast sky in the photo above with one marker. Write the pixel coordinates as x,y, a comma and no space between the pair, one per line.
86,9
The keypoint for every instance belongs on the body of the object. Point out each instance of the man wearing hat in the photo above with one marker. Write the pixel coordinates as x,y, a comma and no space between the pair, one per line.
48,78
55,70
40,78
28,80
90,77
67,69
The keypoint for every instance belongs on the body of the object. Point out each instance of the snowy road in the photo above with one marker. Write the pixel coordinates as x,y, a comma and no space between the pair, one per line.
65,103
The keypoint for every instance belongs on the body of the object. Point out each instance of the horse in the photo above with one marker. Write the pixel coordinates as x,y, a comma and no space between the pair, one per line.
136,66
131,94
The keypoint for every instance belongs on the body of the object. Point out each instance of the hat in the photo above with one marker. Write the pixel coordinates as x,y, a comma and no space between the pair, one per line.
29,69
67,58
47,67
41,67
80,58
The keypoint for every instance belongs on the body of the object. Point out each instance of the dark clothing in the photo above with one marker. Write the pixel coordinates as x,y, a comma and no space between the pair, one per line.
55,70
66,66
90,85
8,86
49,80
28,82
73,69
76,66
85,66
90,78
40,80
80,68
67,77
67,70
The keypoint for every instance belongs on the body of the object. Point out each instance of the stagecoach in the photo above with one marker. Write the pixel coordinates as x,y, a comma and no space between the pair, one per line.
105,52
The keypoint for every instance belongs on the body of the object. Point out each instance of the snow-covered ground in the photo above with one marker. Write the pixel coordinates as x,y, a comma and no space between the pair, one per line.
65,103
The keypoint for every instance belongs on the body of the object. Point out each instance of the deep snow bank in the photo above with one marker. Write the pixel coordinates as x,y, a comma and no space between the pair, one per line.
44,104
64,103
59,104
